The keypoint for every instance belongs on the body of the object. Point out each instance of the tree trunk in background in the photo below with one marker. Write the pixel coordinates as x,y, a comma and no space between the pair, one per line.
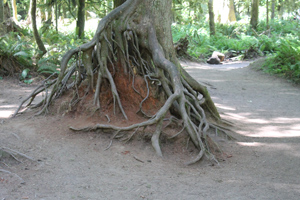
2,27
80,19
37,37
267,13
280,9
49,10
1,12
56,16
236,11
43,14
211,18
28,19
273,10
118,3
231,16
14,7
5,15
254,14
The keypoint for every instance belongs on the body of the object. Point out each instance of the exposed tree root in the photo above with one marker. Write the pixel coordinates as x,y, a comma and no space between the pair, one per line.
125,44
13,153
8,172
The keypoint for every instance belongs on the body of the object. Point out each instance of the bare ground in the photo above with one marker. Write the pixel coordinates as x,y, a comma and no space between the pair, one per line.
263,163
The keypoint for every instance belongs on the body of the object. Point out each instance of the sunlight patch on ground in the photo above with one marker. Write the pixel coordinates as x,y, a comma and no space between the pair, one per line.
250,144
8,106
277,132
272,127
4,114
7,110
224,107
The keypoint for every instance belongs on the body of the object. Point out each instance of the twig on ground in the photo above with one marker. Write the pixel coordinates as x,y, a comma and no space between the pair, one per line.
138,159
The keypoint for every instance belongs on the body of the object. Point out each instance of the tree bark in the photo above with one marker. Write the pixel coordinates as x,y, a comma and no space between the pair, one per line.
49,10
35,31
14,7
2,26
254,14
280,9
80,19
231,15
211,18
273,10
267,13
117,3
1,12
56,15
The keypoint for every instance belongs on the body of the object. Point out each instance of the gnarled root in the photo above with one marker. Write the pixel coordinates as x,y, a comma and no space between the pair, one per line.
132,48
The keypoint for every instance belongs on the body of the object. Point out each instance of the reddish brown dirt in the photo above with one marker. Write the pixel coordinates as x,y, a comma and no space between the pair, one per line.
130,100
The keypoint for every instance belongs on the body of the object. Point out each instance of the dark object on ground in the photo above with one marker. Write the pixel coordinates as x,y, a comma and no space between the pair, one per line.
216,58
181,47
214,61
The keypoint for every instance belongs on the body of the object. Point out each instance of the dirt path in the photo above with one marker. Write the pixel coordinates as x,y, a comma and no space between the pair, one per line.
264,164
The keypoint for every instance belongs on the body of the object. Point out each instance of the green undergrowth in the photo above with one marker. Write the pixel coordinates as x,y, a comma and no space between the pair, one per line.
285,61
20,50
279,43
16,47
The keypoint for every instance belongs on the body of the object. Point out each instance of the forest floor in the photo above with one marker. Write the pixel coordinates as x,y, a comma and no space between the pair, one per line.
262,163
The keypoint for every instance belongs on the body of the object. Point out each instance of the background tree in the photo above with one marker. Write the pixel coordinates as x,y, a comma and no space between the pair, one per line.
2,27
37,37
1,11
254,13
80,19
117,3
267,13
231,15
4,16
211,17
15,10
273,10
224,10
280,9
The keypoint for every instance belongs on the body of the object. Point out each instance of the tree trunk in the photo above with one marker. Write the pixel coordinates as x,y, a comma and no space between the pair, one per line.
1,12
35,31
14,7
254,14
231,15
49,10
128,78
280,9
80,19
2,26
117,3
273,10
267,13
56,15
236,11
211,18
